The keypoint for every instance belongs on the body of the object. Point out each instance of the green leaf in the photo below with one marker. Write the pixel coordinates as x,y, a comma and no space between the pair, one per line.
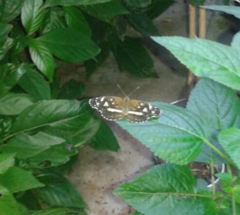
9,9
104,139
177,136
5,42
35,85
50,3
59,192
236,41
93,64
13,104
53,211
143,24
167,188
216,104
206,58
196,2
42,57
229,140
76,20
19,44
17,179
32,15
232,10
71,90
26,146
69,45
6,161
137,4
52,20
136,213
224,176
8,205
9,76
133,58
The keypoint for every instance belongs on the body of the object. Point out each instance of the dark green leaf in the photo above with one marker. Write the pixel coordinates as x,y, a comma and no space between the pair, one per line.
5,42
9,76
71,90
206,58
196,2
13,104
32,15
76,20
143,24
229,140
104,139
53,211
34,84
50,3
216,104
59,192
9,9
177,136
8,205
6,161
19,44
52,20
26,146
42,57
32,205
167,188
137,4
69,45
93,64
133,58
16,180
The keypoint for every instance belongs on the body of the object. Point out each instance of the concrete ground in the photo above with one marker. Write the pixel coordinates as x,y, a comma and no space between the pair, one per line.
97,173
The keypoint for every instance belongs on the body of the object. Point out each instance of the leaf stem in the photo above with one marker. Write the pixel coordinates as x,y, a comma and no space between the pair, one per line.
212,178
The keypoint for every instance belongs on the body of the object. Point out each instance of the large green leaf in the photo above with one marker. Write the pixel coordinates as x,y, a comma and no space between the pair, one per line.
69,45
143,24
42,57
229,140
104,139
216,104
35,85
53,211
13,104
32,15
236,41
167,188
133,57
136,213
76,20
5,42
206,58
17,179
232,10
8,205
59,192
6,161
177,136
9,76
50,3
9,9
26,146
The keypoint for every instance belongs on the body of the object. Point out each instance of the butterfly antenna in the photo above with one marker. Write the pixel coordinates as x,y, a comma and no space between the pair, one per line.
133,91
122,90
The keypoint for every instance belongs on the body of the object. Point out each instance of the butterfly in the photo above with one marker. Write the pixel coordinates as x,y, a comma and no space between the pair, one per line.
116,108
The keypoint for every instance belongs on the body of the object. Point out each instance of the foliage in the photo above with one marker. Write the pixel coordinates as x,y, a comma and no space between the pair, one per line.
207,130
42,125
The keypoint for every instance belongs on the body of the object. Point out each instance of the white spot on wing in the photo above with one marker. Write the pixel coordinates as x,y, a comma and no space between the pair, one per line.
105,104
135,113
102,98
114,110
145,110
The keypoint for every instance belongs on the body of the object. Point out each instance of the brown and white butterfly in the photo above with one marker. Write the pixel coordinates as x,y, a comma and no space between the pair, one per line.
115,108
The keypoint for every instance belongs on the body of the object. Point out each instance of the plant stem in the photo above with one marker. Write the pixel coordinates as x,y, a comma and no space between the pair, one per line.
212,178
228,161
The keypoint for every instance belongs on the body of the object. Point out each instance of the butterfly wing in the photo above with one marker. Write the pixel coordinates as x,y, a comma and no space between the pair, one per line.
139,111
110,107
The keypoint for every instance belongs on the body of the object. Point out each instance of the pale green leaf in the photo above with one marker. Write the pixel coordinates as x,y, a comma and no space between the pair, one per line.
224,176
69,45
32,15
136,213
167,188
229,140
42,58
236,41
13,104
206,58
6,161
216,104
232,10
17,179
50,3
26,146
177,136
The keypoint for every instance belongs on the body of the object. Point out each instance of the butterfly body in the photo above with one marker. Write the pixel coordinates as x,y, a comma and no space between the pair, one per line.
115,108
